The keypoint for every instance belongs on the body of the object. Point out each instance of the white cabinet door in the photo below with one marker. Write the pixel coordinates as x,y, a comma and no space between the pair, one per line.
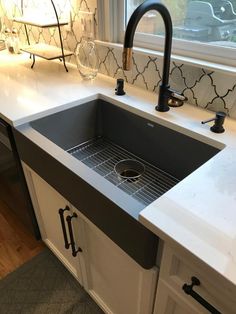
47,204
117,283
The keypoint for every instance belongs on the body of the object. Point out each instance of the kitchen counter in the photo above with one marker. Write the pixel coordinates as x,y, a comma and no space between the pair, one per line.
200,212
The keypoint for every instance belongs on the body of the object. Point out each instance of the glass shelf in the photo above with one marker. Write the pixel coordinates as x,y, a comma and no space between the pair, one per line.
47,52
43,23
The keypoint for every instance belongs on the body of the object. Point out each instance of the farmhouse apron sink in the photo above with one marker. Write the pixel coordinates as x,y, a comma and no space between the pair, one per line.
110,164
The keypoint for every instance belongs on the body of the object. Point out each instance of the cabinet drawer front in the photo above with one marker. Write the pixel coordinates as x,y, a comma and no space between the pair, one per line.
168,301
178,268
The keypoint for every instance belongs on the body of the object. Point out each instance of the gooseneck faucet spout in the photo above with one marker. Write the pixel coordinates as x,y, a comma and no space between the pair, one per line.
166,95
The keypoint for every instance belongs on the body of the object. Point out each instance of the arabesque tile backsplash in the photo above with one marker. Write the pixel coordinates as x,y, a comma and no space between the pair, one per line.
209,89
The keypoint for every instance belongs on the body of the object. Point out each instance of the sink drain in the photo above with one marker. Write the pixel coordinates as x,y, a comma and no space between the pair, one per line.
129,169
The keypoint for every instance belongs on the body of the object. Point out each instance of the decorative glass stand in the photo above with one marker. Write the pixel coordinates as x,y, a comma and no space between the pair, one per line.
45,51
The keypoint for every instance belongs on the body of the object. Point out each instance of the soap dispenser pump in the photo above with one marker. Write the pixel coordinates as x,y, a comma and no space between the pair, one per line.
219,121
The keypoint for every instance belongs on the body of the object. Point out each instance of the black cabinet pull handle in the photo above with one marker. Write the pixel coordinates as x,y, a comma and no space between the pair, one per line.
63,226
72,241
188,289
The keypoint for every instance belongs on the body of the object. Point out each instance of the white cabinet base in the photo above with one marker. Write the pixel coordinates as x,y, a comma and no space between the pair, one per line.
114,280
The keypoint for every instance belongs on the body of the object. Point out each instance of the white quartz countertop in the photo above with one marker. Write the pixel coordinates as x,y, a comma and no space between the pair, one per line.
200,212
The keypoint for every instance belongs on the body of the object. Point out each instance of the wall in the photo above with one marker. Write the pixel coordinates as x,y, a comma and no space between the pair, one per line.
209,89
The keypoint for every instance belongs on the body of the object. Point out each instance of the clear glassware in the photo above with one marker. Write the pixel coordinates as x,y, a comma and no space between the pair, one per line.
87,58
15,41
8,40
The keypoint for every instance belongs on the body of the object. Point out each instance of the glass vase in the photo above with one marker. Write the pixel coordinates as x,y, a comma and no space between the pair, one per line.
87,58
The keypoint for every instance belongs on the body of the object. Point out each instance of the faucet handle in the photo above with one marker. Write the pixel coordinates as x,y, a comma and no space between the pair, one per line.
219,121
179,96
176,99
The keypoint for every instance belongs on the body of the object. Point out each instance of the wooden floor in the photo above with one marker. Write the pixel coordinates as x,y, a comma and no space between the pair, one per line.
17,245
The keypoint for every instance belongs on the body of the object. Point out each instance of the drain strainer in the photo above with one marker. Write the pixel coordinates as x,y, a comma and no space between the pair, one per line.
129,169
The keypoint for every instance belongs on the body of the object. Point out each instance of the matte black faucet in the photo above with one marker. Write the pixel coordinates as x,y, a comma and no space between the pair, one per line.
167,97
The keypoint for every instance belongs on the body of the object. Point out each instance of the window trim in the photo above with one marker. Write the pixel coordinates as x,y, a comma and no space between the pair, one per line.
108,21
112,28
204,51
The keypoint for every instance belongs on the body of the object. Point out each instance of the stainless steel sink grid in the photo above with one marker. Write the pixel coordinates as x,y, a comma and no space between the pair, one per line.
102,155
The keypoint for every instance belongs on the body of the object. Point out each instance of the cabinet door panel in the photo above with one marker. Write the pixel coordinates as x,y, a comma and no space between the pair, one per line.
118,283
49,202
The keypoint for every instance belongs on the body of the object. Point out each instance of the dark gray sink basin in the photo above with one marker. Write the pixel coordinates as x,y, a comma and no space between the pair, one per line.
101,134
98,135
